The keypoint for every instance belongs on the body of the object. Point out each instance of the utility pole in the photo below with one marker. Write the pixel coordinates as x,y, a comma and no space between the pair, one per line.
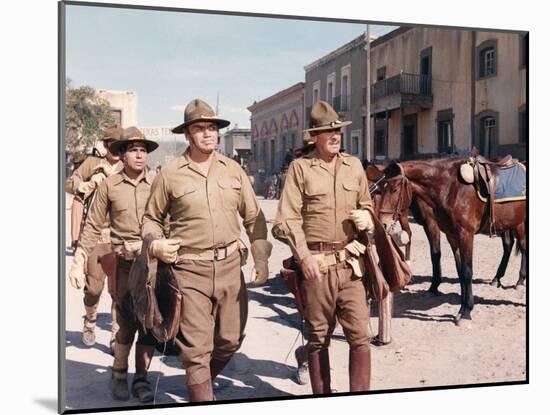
368,140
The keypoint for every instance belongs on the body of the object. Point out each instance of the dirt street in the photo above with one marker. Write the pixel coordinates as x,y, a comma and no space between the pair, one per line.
427,348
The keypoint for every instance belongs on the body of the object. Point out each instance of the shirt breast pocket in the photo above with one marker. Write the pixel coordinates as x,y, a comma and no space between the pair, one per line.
230,191
351,191
315,197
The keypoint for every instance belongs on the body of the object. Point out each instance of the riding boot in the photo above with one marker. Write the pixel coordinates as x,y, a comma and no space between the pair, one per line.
301,361
319,371
88,331
216,366
141,388
359,371
200,392
119,385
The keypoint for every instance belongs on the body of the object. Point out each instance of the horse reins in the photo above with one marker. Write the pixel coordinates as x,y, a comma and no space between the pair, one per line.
399,207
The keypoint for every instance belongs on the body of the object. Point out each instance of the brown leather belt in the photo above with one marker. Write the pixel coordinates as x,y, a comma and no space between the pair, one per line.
327,246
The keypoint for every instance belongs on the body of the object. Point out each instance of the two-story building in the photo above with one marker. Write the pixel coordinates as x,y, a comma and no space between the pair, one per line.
441,91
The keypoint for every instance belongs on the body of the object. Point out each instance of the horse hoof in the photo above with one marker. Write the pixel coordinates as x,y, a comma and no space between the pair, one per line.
463,320
495,282
434,291
520,286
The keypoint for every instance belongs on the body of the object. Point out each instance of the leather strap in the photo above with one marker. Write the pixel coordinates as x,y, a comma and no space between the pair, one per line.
327,246
212,254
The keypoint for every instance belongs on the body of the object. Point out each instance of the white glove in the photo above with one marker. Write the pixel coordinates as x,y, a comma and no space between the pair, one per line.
355,248
107,169
362,219
98,178
86,188
261,251
76,273
165,249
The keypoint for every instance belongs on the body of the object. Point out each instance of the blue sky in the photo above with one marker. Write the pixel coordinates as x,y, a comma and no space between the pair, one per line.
169,58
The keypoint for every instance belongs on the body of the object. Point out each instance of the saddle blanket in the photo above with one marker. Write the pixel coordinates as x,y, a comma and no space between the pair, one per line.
511,185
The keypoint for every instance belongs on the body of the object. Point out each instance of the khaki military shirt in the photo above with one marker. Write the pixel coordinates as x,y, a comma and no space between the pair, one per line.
84,172
203,209
123,201
315,204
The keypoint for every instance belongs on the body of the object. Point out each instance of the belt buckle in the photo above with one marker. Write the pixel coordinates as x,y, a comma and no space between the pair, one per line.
217,250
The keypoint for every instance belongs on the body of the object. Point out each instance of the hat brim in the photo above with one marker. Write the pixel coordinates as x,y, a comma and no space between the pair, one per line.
115,147
219,121
330,126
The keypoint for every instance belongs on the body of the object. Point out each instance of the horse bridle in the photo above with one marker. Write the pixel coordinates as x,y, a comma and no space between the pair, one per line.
399,207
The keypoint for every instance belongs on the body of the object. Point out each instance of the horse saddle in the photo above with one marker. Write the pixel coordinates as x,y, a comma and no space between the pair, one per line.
485,174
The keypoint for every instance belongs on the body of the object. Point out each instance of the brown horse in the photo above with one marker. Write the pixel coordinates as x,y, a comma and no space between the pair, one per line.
401,214
444,202
424,215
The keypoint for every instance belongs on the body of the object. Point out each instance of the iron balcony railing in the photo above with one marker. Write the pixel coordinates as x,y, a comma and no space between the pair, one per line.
404,83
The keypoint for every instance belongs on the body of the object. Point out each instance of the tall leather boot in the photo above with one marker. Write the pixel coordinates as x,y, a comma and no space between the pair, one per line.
216,367
88,331
141,388
319,371
119,384
201,392
359,370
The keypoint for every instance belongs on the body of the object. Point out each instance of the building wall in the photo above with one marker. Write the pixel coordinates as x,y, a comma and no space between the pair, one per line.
504,93
274,121
124,101
452,83
333,66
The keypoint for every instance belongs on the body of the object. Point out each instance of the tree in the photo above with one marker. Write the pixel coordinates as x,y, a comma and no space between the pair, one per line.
86,116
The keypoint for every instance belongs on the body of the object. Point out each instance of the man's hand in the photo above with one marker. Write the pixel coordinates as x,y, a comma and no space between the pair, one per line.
165,249
261,250
310,268
362,219
98,178
76,273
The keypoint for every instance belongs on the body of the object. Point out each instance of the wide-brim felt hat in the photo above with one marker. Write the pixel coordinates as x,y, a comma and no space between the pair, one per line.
113,132
323,117
196,111
132,135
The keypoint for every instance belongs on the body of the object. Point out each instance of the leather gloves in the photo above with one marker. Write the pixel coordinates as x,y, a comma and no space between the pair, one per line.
261,250
76,273
362,219
165,249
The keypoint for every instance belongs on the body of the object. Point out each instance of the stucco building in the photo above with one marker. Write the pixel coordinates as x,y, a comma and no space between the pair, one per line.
442,91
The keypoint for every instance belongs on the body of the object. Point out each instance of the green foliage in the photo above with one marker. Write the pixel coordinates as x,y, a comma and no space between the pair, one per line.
86,116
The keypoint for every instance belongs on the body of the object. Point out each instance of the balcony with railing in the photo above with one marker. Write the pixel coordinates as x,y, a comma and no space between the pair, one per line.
405,89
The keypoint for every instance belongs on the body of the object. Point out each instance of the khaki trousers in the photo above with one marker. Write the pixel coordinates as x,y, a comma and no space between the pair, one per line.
95,277
338,294
128,324
215,309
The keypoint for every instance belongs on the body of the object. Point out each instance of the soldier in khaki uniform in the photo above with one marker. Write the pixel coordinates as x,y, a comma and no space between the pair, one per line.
324,203
121,200
204,193
82,185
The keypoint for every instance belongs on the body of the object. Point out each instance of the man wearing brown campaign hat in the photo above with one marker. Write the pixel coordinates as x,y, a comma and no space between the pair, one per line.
204,193
121,200
324,203
82,185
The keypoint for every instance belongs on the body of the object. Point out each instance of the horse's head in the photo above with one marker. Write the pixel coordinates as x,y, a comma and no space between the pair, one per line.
375,179
396,194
